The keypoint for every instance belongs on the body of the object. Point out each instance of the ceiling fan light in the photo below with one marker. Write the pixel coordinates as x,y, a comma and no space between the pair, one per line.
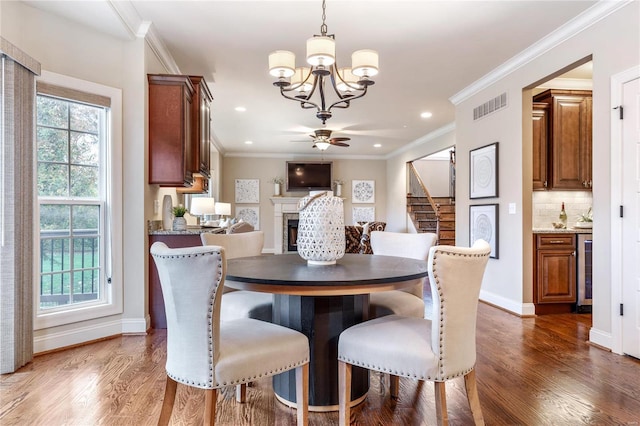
321,50
298,79
322,146
347,81
364,63
282,63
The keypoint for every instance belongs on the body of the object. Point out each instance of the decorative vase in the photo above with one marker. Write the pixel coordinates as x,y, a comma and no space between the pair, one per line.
338,190
321,238
167,213
179,224
276,189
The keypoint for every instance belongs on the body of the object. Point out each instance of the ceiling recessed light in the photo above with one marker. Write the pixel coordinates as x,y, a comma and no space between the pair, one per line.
248,142
241,109
426,115
377,145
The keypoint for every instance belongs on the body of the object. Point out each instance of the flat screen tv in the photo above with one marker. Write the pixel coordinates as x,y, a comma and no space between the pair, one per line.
308,175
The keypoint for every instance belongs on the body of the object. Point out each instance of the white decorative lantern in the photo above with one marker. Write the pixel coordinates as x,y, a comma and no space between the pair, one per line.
321,238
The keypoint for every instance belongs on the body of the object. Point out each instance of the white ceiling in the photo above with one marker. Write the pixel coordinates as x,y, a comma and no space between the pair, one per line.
429,51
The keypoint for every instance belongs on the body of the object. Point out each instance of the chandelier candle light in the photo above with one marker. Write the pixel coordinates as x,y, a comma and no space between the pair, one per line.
347,83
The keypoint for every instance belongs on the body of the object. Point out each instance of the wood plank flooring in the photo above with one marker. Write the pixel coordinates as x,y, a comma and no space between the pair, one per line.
530,371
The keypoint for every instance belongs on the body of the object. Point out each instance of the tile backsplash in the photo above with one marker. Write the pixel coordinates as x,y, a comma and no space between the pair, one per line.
547,205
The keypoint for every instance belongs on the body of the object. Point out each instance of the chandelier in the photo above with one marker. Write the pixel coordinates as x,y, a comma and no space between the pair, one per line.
300,84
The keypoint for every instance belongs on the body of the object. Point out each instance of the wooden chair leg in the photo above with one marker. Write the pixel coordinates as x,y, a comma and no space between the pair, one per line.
167,403
210,397
344,393
472,397
302,394
241,393
394,386
441,404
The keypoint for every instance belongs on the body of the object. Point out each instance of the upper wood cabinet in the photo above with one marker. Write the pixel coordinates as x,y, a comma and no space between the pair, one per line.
201,117
179,130
562,119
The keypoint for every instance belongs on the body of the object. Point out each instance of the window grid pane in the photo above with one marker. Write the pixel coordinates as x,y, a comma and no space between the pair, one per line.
70,169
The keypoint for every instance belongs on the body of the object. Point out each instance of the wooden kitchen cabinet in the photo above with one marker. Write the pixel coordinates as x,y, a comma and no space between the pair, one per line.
170,138
568,154
179,132
540,144
201,117
554,283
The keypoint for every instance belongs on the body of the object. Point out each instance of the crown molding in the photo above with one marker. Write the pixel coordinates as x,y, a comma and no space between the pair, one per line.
595,13
144,29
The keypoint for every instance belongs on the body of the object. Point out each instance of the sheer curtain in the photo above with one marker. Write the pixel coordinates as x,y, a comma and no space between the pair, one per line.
17,113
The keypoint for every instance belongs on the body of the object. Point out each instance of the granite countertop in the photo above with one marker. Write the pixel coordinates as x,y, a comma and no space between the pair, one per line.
190,231
570,230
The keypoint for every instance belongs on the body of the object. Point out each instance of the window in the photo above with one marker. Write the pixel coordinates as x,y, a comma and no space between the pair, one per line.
74,226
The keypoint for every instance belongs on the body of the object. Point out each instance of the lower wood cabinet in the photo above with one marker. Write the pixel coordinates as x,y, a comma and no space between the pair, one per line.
554,284
156,301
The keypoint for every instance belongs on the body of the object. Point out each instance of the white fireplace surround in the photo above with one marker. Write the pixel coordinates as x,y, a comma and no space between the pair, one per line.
283,208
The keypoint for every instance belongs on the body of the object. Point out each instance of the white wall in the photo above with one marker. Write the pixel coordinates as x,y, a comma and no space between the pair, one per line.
435,175
614,43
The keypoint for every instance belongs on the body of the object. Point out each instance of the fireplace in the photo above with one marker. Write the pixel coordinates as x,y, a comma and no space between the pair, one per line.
289,232
292,235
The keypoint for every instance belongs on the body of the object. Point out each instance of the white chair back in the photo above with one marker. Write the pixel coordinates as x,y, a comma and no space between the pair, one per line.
414,246
191,279
244,244
455,276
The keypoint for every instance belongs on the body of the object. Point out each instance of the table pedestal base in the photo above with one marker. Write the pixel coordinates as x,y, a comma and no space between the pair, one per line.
321,319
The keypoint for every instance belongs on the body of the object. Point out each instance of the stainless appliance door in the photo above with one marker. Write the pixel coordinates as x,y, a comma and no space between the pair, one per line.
584,273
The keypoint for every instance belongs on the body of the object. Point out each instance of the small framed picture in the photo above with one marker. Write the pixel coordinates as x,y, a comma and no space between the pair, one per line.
250,215
483,224
363,214
247,191
363,191
483,172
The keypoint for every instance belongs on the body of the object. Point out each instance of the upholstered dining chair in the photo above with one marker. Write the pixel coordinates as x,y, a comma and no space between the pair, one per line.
408,301
431,350
238,304
203,352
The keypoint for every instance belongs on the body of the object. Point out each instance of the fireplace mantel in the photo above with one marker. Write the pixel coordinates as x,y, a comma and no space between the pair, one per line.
281,206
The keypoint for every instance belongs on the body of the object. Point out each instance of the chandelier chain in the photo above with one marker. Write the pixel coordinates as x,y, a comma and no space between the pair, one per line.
323,27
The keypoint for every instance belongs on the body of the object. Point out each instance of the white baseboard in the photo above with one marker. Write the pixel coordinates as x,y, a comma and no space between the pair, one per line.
79,335
136,325
518,308
601,338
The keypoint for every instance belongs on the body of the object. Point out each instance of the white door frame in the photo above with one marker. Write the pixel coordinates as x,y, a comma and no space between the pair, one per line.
617,82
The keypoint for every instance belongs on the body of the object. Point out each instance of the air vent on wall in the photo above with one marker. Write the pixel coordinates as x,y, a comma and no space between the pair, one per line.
490,106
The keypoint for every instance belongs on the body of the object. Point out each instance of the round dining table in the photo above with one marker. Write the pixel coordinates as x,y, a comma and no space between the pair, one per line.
321,301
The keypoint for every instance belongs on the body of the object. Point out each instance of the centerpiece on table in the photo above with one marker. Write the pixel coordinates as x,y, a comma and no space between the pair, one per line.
321,239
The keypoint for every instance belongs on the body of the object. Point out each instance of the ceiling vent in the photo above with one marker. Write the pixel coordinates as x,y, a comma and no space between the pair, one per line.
490,106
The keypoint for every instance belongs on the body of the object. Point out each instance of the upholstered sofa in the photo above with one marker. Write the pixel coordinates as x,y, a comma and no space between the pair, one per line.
357,236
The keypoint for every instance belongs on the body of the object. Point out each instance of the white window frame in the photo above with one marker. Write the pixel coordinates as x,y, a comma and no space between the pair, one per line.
111,303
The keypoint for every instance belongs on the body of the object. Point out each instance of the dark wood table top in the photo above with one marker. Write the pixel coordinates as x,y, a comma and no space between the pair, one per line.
353,274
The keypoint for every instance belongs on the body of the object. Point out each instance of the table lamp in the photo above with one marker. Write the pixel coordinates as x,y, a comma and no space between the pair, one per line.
223,209
202,206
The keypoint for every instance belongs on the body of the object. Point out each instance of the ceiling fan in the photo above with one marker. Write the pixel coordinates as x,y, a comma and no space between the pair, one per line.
322,139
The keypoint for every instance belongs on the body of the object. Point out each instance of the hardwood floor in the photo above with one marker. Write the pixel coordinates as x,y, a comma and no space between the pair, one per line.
530,371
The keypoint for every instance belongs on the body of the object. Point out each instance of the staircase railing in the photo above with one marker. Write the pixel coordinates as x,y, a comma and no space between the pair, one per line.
417,188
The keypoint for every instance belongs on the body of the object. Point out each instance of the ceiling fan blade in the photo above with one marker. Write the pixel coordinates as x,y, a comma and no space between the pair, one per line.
338,143
339,139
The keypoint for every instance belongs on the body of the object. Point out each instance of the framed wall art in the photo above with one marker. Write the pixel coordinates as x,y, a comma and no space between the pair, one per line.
483,224
363,191
483,172
363,214
250,215
247,191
